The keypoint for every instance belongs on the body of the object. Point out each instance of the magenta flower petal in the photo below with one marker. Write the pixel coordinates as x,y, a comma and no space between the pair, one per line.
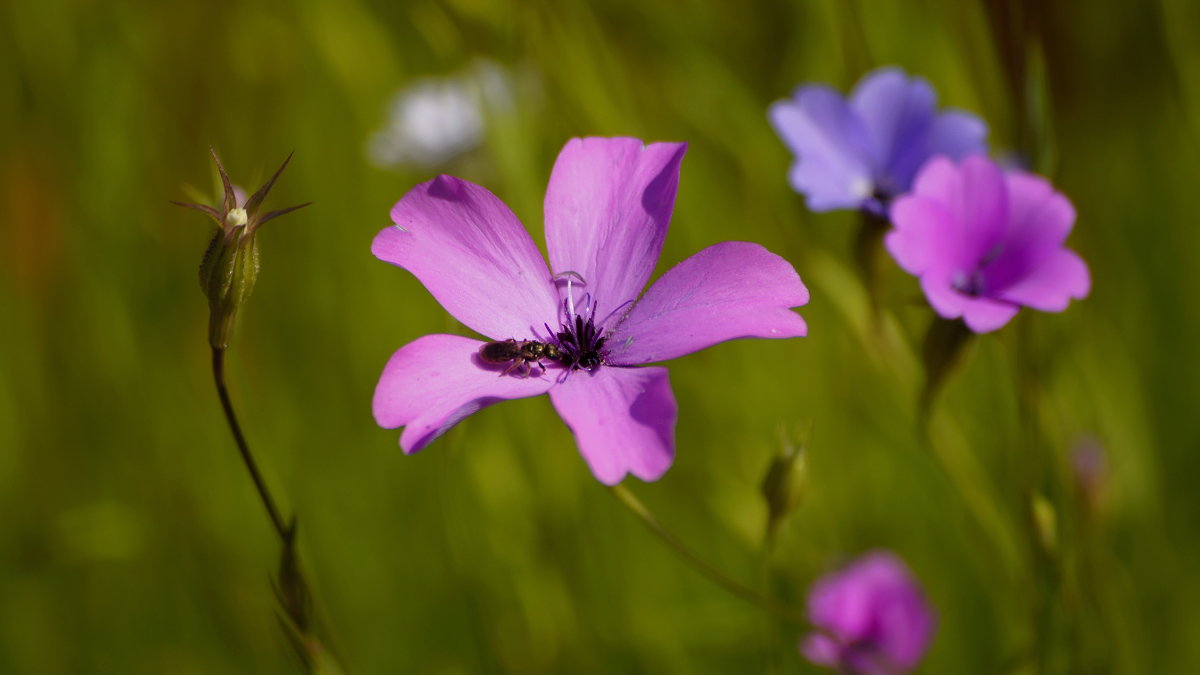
1040,222
984,315
973,195
983,243
1050,286
472,254
607,209
929,237
873,617
623,420
435,382
833,155
821,650
729,290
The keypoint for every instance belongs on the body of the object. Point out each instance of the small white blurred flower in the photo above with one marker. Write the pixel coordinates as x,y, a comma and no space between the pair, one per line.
438,118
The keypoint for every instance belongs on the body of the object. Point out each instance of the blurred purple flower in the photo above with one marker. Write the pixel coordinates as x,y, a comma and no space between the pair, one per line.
864,151
871,618
1091,472
984,243
607,209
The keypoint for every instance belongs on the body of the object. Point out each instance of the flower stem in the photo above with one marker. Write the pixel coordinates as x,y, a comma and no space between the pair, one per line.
218,364
697,563
869,256
292,589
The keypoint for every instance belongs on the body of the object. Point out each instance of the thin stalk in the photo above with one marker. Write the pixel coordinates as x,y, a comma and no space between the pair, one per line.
702,566
292,589
218,365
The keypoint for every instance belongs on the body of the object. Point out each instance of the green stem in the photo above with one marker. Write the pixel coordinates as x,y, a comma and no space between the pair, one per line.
737,588
291,586
1042,556
218,365
869,256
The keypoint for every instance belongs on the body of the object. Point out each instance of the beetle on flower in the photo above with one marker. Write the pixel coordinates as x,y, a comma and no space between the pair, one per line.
607,209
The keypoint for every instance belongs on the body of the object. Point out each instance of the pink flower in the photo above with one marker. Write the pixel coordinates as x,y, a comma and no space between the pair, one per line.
607,209
872,618
984,243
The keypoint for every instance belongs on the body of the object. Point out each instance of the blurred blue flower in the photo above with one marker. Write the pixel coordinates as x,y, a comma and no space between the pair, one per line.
862,151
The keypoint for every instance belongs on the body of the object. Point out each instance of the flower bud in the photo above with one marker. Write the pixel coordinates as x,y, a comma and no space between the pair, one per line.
227,276
230,265
1091,474
1045,522
784,484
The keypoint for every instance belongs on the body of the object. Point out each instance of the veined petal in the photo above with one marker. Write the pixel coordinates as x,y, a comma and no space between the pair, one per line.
473,255
436,381
897,112
623,420
607,208
833,166
730,290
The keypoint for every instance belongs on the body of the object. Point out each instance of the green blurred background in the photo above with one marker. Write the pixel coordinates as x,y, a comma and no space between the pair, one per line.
132,541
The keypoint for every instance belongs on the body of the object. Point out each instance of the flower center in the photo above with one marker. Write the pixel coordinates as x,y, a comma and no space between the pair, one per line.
236,218
968,284
974,283
581,344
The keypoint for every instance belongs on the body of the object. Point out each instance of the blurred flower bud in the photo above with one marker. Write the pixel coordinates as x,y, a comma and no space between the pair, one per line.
230,265
784,484
872,618
1045,523
1089,466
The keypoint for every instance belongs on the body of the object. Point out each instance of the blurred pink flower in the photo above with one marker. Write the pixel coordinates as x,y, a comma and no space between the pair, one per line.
871,618
607,209
984,243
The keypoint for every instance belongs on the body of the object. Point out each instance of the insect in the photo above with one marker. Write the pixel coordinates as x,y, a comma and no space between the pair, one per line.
520,355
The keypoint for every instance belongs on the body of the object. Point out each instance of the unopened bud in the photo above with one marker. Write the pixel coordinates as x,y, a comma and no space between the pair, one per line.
230,265
1045,523
227,276
784,484
1091,473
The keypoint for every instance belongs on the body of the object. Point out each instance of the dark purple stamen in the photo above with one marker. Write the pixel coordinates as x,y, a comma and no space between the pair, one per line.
581,344
968,284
